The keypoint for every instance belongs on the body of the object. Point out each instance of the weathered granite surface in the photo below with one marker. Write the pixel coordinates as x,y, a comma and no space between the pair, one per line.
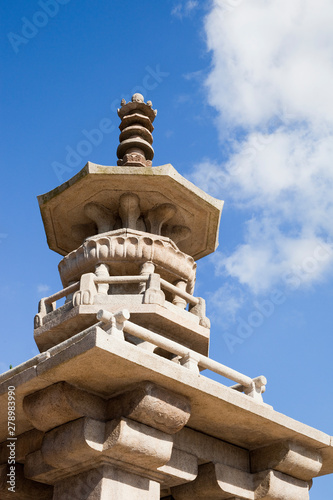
115,405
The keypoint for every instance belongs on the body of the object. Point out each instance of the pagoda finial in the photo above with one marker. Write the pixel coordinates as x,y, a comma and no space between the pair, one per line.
135,148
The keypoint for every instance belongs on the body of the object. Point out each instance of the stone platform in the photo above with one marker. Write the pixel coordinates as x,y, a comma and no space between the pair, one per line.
199,438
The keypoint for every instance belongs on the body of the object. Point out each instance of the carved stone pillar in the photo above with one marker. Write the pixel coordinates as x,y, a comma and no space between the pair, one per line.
105,483
153,293
146,269
179,301
102,271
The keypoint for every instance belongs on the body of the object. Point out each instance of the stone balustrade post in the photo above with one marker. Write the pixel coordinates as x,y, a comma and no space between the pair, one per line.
87,292
102,271
146,269
153,293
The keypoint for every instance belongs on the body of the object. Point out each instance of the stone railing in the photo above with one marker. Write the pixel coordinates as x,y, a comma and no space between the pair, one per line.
49,304
93,288
118,324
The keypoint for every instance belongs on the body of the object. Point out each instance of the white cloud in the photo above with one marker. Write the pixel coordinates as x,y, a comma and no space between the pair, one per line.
191,5
42,288
225,303
185,9
269,256
194,75
177,11
210,176
271,57
183,99
271,80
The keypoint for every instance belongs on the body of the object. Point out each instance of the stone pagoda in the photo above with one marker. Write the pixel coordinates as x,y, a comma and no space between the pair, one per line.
116,404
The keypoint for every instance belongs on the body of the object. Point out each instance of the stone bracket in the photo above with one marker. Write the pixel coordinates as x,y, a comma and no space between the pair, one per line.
60,403
158,216
136,443
287,457
102,216
134,430
129,210
72,446
219,481
181,468
151,405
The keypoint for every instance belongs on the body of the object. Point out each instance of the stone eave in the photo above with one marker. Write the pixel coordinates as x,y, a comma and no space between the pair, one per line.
217,410
203,209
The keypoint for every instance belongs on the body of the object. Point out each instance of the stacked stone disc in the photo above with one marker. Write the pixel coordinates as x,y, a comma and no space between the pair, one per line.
135,148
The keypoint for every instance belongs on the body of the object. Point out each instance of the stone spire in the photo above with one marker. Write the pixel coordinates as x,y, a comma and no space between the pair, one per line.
135,148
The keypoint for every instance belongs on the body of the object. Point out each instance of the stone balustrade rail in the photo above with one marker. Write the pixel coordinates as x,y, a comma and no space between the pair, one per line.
48,304
119,324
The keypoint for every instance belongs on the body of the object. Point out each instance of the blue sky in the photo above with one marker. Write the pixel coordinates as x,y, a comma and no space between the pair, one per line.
243,93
